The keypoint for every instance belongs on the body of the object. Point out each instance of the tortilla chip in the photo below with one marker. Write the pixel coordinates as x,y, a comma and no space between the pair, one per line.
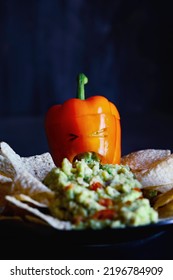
38,165
5,189
26,198
163,199
166,211
12,163
159,173
141,160
54,222
6,168
4,179
11,158
25,183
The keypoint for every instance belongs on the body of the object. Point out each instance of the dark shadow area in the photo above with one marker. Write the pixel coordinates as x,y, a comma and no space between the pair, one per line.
37,242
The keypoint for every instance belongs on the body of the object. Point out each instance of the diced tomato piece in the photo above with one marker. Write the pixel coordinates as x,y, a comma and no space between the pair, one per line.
106,202
105,214
96,186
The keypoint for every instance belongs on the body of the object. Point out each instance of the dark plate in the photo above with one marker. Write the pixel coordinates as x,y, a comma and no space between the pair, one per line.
15,229
33,241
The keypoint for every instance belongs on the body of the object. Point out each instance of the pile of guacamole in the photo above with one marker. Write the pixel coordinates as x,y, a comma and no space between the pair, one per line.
95,195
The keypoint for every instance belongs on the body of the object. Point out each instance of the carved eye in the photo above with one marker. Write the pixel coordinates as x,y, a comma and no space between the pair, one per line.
73,136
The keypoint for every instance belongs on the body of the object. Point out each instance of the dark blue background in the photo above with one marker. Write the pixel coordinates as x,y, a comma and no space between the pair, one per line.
124,47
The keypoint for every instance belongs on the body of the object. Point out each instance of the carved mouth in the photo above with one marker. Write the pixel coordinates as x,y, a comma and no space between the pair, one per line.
88,156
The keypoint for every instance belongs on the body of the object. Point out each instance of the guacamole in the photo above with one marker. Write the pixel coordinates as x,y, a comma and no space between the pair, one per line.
95,195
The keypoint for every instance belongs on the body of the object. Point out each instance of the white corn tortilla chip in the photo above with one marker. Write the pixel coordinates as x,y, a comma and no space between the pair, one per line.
11,157
26,198
160,173
6,168
142,159
54,222
11,163
25,183
4,179
38,165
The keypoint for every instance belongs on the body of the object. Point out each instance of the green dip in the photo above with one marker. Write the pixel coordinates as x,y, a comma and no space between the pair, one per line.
95,195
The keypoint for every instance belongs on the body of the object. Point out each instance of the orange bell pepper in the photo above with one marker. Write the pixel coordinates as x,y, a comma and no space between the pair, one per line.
82,125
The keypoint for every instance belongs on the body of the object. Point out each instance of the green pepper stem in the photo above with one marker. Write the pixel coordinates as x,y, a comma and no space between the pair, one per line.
81,81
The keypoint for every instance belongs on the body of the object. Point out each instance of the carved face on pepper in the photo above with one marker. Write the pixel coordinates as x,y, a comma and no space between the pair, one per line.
79,126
